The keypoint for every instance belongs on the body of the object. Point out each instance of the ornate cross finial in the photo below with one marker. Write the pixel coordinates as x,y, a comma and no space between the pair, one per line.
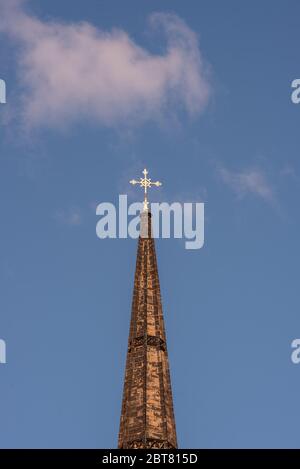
146,183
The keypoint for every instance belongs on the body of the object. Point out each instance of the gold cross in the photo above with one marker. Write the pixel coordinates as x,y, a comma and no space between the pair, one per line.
146,183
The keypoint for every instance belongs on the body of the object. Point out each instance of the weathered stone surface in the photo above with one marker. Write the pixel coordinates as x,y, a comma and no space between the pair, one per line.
147,417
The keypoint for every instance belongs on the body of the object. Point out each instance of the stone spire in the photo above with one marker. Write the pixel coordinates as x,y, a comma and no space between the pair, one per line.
147,417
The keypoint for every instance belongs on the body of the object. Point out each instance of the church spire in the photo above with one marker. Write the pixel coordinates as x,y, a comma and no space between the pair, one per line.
147,417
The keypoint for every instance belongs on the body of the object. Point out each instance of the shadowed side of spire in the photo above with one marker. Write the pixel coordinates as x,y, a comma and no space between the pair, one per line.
147,417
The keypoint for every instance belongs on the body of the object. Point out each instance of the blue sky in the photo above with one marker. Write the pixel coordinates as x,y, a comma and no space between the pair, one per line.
228,136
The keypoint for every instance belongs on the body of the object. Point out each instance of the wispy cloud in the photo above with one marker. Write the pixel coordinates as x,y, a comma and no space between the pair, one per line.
72,71
71,217
289,172
251,181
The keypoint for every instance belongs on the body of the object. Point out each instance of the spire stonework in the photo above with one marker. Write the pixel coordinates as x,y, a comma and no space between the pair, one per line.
147,416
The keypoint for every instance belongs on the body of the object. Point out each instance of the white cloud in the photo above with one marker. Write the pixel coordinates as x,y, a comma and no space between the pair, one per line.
72,71
251,181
